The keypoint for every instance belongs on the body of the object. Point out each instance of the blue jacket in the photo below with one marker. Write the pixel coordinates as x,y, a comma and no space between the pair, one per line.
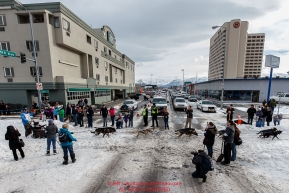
24,118
55,112
68,143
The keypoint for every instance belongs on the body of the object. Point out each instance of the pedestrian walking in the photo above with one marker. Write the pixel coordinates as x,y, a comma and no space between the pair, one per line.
145,115
51,131
230,112
189,113
228,138
251,112
112,115
209,140
269,116
236,138
12,135
104,112
55,112
166,117
154,113
89,114
130,117
67,144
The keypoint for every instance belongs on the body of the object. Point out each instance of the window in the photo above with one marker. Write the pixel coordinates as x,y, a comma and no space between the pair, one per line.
98,77
56,22
105,64
109,52
115,57
30,46
105,50
106,78
8,71
88,39
66,25
2,20
33,71
126,64
120,81
4,46
121,72
96,61
116,80
115,70
77,95
95,44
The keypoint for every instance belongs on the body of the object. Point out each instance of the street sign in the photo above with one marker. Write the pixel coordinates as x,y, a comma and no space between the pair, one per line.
7,53
39,86
272,61
44,91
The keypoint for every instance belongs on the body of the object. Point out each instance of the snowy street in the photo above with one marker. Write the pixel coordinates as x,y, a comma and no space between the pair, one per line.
120,162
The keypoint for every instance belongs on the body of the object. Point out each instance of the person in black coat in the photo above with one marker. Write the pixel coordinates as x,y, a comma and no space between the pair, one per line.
89,114
251,112
209,139
269,116
265,112
230,113
198,161
104,112
12,135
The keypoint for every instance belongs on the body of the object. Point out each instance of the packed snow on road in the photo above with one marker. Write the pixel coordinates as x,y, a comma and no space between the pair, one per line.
120,162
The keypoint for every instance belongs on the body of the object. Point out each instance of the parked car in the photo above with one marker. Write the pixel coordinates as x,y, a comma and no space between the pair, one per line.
180,103
283,97
206,105
187,96
128,103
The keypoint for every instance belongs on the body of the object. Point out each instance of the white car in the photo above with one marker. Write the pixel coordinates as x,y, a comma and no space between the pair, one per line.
129,103
192,101
206,105
180,103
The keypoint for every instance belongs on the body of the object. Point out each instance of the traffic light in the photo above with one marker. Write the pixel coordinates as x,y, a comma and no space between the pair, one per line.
22,57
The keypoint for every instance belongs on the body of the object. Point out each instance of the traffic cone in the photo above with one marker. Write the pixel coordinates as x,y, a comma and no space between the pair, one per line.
239,119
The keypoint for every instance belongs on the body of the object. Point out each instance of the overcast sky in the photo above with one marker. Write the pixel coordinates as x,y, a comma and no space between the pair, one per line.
165,36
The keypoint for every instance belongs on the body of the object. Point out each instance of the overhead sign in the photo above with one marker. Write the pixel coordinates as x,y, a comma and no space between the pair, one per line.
44,91
7,53
272,61
39,86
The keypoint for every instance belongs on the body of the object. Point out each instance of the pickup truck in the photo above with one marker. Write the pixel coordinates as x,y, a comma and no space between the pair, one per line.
284,98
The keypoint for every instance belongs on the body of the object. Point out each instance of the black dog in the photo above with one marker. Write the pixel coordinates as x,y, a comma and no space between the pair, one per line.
187,131
103,130
269,132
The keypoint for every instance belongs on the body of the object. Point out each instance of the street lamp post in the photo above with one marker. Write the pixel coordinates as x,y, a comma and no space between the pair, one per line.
183,78
223,79
17,3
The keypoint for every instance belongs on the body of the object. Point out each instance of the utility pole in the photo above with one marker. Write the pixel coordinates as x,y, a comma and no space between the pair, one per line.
17,3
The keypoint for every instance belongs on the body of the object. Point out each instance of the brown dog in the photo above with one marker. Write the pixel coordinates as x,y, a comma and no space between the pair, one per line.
104,131
145,131
187,131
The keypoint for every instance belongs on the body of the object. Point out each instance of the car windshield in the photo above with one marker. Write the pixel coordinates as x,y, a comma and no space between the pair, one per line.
160,101
180,100
207,102
128,102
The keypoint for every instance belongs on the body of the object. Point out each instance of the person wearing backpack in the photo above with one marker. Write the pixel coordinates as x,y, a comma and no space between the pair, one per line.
235,142
66,139
51,131
228,138
209,140
203,164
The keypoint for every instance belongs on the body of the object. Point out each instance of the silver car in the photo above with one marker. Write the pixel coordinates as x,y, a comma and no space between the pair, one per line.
180,103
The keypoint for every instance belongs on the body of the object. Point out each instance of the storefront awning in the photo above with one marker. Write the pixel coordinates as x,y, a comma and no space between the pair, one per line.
78,89
101,89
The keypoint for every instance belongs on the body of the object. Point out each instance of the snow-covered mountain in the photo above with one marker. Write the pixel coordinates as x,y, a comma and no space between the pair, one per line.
175,82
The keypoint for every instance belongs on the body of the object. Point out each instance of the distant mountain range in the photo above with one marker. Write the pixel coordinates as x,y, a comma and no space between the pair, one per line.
175,82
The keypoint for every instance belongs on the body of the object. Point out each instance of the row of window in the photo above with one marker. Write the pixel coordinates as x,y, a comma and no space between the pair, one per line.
106,79
77,95
29,45
255,36
10,71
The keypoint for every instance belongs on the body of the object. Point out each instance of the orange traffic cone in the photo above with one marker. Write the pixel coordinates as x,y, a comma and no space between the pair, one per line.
239,119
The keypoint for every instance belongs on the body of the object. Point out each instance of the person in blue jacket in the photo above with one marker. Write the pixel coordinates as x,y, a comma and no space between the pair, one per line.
55,112
67,145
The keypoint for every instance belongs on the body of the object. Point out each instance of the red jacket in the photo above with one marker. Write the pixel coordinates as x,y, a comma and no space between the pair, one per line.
111,112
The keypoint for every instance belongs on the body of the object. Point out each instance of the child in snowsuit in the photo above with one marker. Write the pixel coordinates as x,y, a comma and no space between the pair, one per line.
119,122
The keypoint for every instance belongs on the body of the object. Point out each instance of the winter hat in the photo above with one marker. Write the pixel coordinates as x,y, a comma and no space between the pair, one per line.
65,126
50,121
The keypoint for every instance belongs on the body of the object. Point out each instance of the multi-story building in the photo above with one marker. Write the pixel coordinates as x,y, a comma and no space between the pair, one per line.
243,52
75,61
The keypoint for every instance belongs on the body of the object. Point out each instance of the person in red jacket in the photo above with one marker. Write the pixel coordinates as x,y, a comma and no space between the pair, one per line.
112,115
